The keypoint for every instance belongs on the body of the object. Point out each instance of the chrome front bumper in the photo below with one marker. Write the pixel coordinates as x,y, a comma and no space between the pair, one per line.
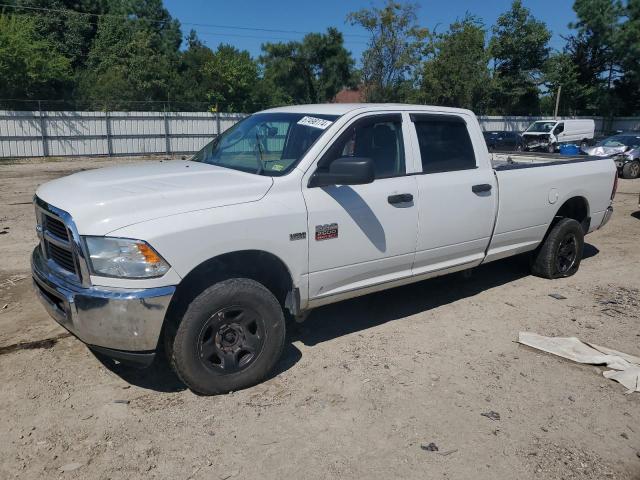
110,318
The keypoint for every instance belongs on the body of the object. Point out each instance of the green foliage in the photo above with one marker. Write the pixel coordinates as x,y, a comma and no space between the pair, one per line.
456,73
593,51
30,68
395,49
126,54
194,84
232,75
127,63
311,71
628,48
560,70
519,49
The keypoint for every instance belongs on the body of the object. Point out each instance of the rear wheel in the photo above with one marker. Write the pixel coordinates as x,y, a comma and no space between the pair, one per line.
631,169
561,251
230,337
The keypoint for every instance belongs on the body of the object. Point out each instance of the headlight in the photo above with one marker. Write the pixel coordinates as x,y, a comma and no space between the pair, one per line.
125,258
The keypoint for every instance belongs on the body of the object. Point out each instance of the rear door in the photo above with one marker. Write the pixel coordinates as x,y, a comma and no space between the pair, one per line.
362,235
457,194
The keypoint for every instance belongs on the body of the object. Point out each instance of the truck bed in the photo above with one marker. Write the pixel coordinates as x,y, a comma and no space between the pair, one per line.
529,197
510,161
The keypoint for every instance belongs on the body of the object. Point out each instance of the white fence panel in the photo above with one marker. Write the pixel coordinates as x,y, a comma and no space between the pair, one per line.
34,134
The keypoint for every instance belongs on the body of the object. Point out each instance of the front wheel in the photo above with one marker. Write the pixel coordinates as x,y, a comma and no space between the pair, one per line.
561,251
551,148
631,169
230,337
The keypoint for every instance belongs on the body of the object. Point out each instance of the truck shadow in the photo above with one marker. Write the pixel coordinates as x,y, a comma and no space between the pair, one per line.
349,316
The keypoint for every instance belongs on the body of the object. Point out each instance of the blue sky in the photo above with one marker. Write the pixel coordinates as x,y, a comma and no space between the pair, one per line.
305,16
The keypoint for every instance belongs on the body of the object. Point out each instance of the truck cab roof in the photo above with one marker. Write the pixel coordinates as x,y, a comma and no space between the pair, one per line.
344,108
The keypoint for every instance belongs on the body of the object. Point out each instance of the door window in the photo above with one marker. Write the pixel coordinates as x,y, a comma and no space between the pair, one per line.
379,138
444,142
559,129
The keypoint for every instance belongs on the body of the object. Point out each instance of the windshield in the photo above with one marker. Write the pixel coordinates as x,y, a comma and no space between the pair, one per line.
265,143
620,141
541,127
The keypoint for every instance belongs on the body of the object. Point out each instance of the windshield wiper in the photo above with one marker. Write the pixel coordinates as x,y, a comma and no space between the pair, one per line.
259,157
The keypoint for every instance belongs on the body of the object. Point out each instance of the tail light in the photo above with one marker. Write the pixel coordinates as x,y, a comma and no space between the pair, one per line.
615,186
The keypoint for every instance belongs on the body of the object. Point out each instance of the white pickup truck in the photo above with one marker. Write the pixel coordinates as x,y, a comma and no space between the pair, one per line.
290,209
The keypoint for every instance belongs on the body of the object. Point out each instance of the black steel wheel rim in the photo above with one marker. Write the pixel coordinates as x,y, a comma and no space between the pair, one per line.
567,253
231,339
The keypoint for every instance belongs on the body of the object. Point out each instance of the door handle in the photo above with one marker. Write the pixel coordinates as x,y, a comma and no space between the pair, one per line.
400,198
483,187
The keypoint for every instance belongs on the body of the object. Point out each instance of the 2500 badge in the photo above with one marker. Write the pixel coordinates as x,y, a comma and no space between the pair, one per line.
326,232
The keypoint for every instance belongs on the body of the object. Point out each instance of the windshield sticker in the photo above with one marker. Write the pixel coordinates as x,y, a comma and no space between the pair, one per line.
277,167
315,122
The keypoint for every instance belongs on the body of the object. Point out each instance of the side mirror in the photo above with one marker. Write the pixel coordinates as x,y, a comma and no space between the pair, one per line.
344,171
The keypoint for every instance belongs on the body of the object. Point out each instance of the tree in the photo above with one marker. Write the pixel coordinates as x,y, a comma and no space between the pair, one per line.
231,76
560,70
30,68
69,32
456,73
128,64
395,49
194,84
519,49
628,48
593,50
311,71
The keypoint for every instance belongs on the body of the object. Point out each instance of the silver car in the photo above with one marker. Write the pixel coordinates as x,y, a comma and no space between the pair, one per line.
624,148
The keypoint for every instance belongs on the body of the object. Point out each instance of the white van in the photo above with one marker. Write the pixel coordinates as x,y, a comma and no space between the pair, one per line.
550,134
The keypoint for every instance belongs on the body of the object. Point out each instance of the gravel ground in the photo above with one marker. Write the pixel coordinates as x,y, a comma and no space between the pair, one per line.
364,388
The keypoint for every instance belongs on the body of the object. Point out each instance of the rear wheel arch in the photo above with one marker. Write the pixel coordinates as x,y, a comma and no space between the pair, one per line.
577,208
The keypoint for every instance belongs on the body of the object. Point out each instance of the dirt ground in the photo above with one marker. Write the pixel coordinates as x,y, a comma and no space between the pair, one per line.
364,386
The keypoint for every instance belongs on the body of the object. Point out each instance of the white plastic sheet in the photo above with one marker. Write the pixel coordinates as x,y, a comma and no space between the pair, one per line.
625,367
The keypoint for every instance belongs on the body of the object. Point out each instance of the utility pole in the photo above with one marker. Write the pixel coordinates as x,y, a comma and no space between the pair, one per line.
555,113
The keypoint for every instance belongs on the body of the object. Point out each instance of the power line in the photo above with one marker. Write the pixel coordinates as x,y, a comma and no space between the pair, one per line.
223,34
152,20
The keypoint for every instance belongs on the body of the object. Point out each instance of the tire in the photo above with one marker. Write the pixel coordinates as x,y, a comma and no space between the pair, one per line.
631,169
584,144
551,148
518,148
560,253
230,337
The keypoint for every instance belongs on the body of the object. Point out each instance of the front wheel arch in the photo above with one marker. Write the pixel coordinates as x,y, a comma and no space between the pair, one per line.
258,265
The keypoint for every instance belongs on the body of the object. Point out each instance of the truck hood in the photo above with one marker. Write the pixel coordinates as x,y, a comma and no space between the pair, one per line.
535,134
103,200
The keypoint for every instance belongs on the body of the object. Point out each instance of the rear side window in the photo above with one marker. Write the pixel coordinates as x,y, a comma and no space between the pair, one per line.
444,142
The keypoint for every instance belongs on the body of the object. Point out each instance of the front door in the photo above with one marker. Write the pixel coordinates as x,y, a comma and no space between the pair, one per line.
363,235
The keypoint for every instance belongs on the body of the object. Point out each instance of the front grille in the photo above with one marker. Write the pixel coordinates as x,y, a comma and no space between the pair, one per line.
56,227
58,241
61,256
